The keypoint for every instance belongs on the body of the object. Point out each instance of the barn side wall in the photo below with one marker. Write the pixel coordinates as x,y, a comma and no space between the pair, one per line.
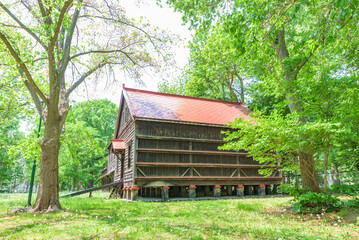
177,154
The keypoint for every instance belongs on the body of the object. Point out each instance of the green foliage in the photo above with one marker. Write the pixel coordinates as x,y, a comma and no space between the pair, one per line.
9,136
214,69
299,56
290,190
99,114
315,202
349,190
83,154
13,108
278,139
352,203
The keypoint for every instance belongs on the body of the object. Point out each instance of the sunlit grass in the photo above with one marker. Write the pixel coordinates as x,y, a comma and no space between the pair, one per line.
103,218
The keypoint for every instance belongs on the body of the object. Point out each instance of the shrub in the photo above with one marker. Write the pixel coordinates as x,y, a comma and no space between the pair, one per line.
290,190
352,203
315,202
350,190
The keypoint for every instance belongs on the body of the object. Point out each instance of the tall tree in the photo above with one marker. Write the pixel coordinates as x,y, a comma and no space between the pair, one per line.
56,46
284,41
214,69
89,127
14,105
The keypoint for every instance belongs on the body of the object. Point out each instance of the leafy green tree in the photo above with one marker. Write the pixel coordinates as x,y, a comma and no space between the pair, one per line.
213,70
99,114
9,136
14,105
286,44
83,154
55,46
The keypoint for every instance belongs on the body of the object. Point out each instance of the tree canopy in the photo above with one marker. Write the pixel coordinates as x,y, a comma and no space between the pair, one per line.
298,55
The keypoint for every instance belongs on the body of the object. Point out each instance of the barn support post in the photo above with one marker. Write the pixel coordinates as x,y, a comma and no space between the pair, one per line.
165,193
192,191
124,192
134,193
207,191
217,191
250,190
229,190
262,190
268,190
183,191
240,191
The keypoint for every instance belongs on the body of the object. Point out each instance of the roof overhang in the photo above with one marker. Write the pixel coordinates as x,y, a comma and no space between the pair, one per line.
118,145
181,122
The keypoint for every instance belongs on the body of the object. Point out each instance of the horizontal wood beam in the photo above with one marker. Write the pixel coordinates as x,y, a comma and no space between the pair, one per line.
180,139
208,178
151,150
206,165
92,189
201,182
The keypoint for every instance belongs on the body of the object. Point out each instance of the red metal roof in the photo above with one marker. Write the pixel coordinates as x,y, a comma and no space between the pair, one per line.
162,106
118,144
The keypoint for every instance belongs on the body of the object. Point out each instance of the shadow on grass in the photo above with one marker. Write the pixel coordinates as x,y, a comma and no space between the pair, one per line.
23,227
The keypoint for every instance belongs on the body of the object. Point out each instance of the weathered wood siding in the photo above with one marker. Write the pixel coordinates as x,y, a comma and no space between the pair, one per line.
127,133
111,163
162,145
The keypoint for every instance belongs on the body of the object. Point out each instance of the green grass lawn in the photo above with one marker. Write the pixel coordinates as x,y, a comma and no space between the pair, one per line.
103,218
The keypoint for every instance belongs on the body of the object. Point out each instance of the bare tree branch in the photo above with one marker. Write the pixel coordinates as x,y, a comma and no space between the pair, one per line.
23,26
83,77
59,24
106,51
54,89
130,25
35,98
23,67
67,46
30,9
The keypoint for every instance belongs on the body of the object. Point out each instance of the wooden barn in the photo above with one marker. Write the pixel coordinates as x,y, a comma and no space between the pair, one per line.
166,146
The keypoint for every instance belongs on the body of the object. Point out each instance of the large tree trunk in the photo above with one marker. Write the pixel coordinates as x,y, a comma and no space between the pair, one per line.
290,72
48,192
308,172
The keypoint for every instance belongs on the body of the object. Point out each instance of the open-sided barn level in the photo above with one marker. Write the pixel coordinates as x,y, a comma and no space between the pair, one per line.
167,146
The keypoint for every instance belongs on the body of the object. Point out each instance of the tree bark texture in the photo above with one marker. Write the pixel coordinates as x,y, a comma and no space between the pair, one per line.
306,163
308,172
48,193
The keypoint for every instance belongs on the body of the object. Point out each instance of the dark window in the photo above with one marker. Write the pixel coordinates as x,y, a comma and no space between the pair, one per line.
129,156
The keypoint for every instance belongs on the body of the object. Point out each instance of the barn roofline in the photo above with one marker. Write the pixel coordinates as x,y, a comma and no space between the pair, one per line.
182,96
180,122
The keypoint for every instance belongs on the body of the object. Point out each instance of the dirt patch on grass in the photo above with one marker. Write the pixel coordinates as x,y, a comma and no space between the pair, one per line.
7,218
336,220
347,216
351,216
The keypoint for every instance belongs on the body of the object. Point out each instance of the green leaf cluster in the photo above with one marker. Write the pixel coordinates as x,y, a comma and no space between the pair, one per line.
83,154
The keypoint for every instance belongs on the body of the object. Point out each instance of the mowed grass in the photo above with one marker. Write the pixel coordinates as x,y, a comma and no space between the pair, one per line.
102,218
